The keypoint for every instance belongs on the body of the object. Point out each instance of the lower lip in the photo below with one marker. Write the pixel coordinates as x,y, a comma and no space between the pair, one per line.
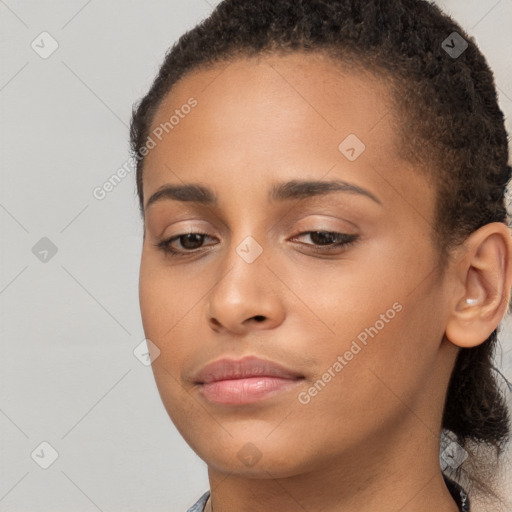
246,391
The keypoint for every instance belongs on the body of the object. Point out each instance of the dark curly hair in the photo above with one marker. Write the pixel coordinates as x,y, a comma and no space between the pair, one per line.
448,124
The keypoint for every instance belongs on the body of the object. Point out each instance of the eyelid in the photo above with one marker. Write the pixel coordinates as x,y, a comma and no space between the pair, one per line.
308,222
314,220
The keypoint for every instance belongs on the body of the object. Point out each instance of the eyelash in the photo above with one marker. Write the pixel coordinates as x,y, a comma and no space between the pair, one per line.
347,240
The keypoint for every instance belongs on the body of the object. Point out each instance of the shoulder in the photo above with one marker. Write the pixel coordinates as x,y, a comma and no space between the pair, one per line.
199,505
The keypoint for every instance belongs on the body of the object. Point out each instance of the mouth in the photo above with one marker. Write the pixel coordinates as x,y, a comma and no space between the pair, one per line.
245,381
247,390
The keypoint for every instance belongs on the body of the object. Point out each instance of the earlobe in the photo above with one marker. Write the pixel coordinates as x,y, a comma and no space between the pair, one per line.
485,273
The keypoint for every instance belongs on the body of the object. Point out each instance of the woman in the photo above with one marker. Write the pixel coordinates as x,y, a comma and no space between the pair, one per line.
326,254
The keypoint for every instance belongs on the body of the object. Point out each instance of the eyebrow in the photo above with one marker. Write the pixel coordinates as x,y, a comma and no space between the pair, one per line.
295,189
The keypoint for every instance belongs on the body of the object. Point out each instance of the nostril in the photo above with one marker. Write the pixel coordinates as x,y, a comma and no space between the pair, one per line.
259,318
215,322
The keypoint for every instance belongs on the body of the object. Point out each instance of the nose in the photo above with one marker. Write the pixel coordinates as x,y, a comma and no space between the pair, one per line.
245,297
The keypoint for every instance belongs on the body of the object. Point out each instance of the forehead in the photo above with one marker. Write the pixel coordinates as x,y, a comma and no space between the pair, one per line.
279,117
265,92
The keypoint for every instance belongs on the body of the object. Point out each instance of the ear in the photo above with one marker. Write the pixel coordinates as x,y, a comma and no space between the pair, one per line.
482,288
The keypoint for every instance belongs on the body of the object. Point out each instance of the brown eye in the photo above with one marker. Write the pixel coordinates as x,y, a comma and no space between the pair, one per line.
190,242
328,240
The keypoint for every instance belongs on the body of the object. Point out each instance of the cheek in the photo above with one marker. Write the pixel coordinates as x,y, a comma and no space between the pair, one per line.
341,299
152,298
378,339
164,297
360,387
172,311
163,310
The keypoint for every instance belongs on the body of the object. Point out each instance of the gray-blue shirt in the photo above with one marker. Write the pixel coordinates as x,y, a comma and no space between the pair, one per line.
200,504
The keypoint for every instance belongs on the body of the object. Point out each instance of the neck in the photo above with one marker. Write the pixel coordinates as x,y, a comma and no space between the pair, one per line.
369,478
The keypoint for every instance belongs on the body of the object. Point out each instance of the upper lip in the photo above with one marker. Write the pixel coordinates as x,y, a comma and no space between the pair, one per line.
249,366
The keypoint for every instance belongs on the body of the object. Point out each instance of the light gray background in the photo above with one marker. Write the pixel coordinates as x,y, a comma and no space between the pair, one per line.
69,326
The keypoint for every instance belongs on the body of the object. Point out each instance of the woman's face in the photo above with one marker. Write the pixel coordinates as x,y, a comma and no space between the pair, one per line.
362,323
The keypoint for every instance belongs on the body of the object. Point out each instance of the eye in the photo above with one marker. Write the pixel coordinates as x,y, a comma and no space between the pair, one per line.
325,241
189,241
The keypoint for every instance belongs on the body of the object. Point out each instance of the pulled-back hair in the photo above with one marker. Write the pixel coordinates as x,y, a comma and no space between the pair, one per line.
448,124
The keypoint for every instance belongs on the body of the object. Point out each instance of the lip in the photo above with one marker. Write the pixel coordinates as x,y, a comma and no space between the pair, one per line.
243,381
249,366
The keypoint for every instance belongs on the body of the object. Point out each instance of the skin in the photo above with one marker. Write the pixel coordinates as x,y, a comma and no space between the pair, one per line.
369,440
